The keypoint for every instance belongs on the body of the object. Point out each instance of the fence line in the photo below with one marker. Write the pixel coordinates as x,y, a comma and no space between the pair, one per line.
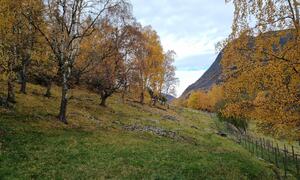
285,159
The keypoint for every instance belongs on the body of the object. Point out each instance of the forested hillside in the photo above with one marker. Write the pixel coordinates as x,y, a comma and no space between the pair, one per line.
213,76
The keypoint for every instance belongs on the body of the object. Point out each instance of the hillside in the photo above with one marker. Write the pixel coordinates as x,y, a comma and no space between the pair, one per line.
213,74
169,97
208,79
127,141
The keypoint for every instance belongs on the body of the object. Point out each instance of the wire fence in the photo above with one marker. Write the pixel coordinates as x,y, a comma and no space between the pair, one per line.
284,158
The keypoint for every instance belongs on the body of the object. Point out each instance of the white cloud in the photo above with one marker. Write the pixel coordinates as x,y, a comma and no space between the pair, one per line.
190,46
187,78
191,28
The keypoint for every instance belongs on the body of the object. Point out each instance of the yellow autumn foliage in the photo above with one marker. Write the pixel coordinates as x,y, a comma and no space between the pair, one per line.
206,101
261,65
261,87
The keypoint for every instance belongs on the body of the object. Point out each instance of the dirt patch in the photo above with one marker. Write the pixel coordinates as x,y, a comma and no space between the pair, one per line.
161,132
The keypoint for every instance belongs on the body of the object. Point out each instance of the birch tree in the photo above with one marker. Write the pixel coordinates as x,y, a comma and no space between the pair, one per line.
11,28
261,65
109,74
67,26
170,80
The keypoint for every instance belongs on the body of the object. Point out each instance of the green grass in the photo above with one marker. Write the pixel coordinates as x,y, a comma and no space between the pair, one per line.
281,141
33,145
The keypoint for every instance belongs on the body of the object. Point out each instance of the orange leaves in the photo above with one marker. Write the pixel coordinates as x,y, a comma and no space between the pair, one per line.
206,100
154,60
262,83
199,100
153,69
261,65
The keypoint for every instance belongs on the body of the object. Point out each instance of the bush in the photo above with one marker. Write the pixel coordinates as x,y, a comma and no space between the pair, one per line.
240,123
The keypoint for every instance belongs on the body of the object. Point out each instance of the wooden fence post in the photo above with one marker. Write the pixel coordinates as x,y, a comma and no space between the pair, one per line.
268,150
293,152
261,149
297,166
272,151
256,148
276,155
242,140
253,146
285,161
248,143
248,140
264,146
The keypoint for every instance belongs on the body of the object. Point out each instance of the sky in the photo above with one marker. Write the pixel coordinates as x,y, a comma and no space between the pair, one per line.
189,27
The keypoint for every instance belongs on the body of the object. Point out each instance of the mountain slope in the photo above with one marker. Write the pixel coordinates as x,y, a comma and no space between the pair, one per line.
169,97
123,141
210,77
213,74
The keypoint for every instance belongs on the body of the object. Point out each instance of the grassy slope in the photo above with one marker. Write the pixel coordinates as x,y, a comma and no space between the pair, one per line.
254,130
94,145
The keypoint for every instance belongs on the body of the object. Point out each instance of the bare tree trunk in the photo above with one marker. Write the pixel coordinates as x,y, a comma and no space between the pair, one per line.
11,98
142,97
123,96
26,58
296,7
23,78
64,99
48,90
77,76
103,101
124,91
154,102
